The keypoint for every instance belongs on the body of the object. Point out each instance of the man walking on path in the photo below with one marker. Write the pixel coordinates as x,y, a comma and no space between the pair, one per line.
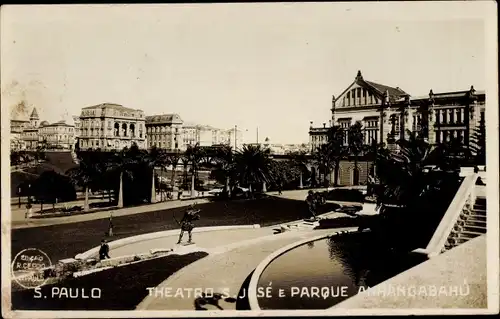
104,251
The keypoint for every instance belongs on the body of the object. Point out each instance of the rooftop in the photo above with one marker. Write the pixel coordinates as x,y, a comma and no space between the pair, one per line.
164,118
110,106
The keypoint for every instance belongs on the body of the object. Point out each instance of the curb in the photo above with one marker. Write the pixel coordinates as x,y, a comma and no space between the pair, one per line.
252,287
135,239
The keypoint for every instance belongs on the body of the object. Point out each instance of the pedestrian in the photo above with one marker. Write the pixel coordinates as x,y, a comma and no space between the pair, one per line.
179,193
104,250
186,222
311,203
279,188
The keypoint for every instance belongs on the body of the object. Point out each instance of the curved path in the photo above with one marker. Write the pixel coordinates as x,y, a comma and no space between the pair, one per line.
226,268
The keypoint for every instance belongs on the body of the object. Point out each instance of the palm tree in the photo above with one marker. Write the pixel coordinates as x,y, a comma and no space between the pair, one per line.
323,158
401,173
156,157
84,175
224,162
252,165
194,154
300,160
355,143
122,163
173,160
337,149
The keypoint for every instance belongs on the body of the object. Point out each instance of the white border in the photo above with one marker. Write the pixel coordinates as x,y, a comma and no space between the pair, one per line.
484,10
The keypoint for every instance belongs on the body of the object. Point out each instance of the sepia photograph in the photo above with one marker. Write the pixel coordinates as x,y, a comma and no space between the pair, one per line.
243,159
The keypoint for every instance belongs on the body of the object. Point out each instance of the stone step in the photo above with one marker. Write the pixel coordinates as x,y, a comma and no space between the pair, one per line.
479,212
476,218
479,206
470,234
462,240
476,222
473,228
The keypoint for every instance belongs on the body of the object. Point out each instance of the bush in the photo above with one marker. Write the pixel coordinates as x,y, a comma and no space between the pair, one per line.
51,187
346,195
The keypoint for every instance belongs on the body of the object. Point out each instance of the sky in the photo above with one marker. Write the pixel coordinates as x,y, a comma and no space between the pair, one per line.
270,66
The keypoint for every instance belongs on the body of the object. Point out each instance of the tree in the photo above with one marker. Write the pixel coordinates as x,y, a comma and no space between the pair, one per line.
224,166
337,149
174,160
84,175
324,159
194,155
122,163
355,142
154,158
252,165
300,160
401,173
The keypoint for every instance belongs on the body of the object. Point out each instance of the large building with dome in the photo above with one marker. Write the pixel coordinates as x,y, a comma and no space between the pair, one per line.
387,113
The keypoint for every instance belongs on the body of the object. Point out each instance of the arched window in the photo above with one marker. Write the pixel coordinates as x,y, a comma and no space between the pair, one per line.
124,129
117,129
132,130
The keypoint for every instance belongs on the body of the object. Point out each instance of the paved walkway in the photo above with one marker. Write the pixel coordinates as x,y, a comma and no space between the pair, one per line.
204,240
18,220
99,215
225,271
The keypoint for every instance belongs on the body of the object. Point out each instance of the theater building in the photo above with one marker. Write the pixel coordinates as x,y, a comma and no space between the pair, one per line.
387,113
111,126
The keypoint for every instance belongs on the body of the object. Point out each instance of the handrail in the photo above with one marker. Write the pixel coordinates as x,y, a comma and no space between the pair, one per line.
438,240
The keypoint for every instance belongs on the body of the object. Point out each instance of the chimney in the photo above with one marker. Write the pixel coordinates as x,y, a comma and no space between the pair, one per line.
330,123
324,125
311,124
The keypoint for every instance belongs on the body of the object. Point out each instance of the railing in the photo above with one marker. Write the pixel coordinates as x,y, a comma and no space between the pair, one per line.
462,203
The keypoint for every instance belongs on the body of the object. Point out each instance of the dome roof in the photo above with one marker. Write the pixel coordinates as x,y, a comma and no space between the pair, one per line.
43,123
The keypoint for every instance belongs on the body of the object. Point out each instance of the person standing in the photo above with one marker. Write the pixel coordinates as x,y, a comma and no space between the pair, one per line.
280,188
104,250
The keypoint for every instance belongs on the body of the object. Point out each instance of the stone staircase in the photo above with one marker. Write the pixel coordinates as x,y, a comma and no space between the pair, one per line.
474,224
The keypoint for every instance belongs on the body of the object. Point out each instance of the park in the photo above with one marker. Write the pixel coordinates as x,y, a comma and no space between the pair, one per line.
423,202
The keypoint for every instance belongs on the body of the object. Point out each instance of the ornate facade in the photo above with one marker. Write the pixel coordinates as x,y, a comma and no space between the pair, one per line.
386,114
164,131
59,135
110,126
29,135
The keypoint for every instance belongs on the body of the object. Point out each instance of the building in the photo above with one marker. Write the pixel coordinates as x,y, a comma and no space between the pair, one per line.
29,135
111,126
17,127
386,113
76,121
164,131
59,135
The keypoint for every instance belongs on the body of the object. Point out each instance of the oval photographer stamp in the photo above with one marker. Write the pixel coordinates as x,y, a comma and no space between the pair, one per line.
28,268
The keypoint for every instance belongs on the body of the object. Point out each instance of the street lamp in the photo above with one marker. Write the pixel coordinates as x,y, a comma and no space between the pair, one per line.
19,196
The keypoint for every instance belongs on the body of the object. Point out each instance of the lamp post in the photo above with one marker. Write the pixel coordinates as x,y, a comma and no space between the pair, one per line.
19,195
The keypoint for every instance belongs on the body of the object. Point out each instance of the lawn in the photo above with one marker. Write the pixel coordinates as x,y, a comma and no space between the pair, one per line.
67,240
121,288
